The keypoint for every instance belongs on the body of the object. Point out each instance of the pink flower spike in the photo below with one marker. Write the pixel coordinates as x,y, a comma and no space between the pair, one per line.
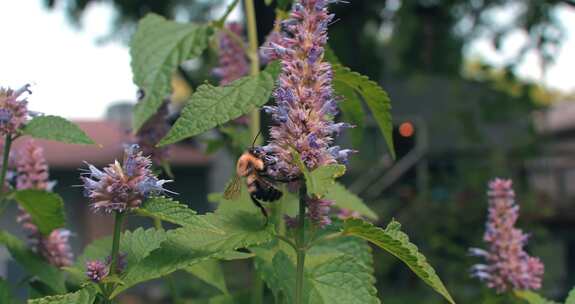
507,265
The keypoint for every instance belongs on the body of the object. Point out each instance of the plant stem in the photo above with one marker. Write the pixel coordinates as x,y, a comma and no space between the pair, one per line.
254,61
6,155
301,246
258,289
170,278
116,241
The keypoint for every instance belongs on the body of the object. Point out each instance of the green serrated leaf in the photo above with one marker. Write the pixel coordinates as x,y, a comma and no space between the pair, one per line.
336,271
374,96
168,210
397,243
322,179
56,128
45,208
32,263
5,293
82,296
211,272
343,198
211,106
571,297
157,48
319,180
192,244
352,111
532,297
135,244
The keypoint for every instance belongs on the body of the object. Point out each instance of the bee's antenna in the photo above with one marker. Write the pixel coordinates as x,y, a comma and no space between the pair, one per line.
256,138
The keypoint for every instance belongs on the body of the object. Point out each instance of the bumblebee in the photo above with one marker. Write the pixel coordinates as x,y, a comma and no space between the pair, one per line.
252,165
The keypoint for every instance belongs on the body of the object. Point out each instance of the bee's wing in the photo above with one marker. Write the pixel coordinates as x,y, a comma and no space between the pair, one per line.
233,189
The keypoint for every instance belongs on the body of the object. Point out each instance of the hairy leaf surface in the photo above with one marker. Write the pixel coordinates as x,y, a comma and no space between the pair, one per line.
394,241
58,129
192,244
211,272
82,296
336,271
45,208
571,297
168,210
211,106
157,48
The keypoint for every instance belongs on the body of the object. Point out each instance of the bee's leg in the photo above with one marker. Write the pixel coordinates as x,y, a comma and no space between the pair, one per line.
259,205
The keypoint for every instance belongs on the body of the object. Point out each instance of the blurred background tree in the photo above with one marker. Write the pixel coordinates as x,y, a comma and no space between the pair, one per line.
477,119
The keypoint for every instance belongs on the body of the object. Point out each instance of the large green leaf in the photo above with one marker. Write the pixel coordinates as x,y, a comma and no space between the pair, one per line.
168,210
352,110
135,244
343,198
336,271
532,297
58,129
82,296
394,241
322,179
32,263
46,208
211,272
192,244
5,293
211,106
157,48
374,96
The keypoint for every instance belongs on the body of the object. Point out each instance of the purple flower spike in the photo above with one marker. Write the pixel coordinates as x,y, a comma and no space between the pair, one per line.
232,58
96,270
56,248
32,169
122,187
305,105
13,112
507,265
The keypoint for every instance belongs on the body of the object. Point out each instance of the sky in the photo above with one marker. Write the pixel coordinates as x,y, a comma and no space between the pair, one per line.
75,77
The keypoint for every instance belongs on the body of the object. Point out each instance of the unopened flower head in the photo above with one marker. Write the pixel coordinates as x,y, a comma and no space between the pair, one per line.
233,63
507,265
13,110
122,186
152,132
305,105
96,270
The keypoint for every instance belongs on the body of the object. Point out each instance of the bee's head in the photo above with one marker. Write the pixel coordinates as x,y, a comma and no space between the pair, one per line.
257,152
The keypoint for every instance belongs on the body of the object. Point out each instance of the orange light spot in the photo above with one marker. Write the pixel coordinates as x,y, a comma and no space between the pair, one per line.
406,129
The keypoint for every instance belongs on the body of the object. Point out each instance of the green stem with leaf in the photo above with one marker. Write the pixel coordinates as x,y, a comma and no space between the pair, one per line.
254,60
300,245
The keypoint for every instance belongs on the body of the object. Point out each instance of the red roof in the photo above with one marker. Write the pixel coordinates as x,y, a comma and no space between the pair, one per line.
111,137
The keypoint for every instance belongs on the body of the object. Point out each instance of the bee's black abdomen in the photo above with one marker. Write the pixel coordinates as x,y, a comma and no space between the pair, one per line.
267,194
